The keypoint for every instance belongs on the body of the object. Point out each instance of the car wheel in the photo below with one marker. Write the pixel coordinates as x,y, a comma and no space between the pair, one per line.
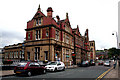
55,69
16,74
29,74
44,71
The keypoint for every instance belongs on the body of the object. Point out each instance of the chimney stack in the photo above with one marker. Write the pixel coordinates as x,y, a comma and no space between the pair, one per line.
49,12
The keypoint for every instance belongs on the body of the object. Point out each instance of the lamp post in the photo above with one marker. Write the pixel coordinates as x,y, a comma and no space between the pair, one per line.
116,37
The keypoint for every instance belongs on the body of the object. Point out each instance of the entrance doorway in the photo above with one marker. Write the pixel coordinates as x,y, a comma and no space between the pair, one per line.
46,55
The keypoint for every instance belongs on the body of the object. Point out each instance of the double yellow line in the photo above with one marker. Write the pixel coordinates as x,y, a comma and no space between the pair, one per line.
102,75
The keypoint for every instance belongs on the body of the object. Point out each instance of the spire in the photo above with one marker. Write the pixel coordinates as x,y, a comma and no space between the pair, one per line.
39,8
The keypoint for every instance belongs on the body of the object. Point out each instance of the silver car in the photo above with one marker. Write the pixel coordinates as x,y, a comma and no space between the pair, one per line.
106,63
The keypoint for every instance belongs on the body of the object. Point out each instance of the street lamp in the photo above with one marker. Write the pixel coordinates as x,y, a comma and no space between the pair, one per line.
116,37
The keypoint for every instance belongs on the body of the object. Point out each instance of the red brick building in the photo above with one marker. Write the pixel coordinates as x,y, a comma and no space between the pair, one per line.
47,39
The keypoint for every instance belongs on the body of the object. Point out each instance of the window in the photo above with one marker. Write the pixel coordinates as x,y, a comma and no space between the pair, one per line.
72,41
11,54
91,49
67,55
37,53
39,21
37,65
28,55
67,51
67,28
28,35
38,35
63,37
91,44
67,39
20,54
46,33
14,54
6,55
17,54
32,65
63,54
22,64
36,22
57,35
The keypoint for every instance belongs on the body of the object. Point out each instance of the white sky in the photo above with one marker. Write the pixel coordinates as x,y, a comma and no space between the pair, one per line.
99,16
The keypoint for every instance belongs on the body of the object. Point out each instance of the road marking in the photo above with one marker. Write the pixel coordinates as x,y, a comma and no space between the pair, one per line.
102,75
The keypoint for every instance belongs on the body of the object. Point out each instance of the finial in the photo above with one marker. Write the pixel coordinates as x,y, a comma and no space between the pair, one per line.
66,15
58,18
39,8
77,26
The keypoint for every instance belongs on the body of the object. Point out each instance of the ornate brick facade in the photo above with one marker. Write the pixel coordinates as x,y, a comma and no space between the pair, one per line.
47,39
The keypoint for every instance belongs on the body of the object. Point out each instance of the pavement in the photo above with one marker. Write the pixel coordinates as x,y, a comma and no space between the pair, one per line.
114,73
6,73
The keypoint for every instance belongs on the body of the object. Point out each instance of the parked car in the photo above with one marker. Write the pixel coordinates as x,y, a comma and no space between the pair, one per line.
43,63
106,63
29,68
100,63
79,64
55,66
92,63
85,63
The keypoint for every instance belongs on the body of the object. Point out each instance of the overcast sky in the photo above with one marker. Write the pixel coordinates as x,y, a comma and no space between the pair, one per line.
99,16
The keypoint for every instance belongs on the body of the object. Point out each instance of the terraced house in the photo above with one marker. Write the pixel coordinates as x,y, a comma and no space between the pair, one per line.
48,39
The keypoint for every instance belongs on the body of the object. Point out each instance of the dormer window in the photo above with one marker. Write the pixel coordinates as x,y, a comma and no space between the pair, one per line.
38,22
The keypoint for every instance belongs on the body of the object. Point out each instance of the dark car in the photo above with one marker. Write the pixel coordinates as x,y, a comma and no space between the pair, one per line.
92,63
79,64
119,62
29,68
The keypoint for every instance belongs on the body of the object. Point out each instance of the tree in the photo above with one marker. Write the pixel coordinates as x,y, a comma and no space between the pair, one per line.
113,52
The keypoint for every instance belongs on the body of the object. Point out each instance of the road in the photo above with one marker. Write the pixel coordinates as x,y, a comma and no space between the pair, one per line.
80,72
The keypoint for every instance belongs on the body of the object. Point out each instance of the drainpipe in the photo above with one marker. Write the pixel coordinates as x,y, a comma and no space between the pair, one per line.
49,43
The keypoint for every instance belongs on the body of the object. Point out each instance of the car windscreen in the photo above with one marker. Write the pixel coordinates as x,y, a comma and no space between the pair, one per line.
22,64
107,62
52,63
84,62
